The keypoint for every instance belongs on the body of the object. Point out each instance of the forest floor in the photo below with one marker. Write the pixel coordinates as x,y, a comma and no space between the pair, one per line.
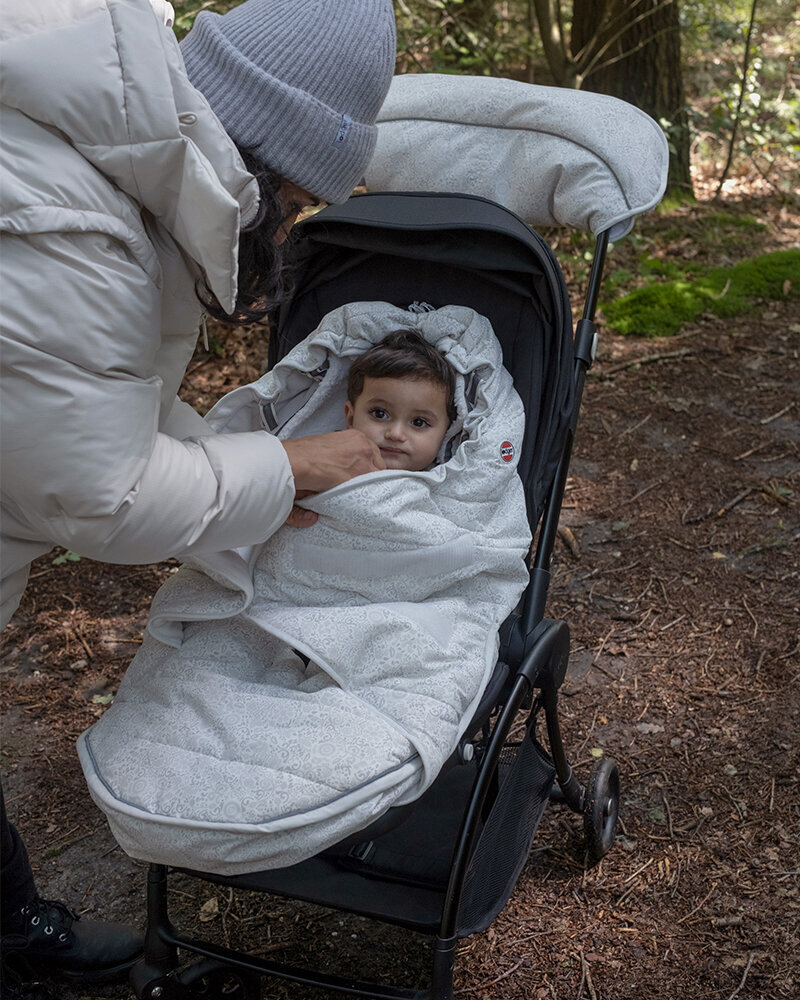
678,571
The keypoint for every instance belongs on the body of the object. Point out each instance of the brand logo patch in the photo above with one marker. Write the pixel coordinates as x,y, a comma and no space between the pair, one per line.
344,129
507,451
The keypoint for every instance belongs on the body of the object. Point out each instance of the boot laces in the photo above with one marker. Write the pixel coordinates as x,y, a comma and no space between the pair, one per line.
57,917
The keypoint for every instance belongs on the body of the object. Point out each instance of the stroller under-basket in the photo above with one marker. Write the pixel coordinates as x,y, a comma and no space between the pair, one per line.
447,863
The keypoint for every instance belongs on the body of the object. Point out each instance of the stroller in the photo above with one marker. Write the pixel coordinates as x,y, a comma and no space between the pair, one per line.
447,863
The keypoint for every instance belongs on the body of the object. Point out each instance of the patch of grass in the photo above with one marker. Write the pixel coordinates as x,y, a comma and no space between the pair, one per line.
661,267
660,309
675,199
745,222
619,277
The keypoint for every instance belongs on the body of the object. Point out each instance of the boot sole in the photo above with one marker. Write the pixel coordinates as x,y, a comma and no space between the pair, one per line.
25,966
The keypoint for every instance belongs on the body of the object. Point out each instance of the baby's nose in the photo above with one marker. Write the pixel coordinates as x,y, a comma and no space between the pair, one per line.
396,431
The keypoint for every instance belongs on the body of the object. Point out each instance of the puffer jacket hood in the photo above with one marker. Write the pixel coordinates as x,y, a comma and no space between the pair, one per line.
109,76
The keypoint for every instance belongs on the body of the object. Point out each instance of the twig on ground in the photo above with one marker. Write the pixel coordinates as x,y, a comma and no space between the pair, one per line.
569,540
723,292
586,977
744,977
634,427
780,413
602,645
497,979
646,360
752,451
647,489
786,656
44,572
702,903
736,500
755,621
62,836
669,814
604,670
638,871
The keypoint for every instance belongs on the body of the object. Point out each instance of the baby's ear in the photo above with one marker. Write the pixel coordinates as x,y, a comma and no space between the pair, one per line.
348,414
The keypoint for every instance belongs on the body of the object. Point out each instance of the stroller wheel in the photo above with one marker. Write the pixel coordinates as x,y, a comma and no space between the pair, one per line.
214,981
601,808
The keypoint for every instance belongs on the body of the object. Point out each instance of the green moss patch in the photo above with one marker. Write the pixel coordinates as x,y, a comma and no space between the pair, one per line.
661,308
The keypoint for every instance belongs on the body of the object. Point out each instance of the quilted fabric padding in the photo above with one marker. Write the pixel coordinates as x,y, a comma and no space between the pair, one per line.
224,750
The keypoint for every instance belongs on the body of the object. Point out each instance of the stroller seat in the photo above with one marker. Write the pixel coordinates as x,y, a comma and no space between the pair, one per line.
225,749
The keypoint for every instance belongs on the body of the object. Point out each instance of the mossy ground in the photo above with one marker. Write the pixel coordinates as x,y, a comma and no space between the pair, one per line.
661,308
686,260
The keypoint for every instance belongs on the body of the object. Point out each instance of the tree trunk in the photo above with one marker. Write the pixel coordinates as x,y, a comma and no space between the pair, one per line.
551,29
635,54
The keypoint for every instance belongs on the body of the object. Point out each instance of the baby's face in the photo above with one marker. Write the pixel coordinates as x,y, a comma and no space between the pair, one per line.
406,418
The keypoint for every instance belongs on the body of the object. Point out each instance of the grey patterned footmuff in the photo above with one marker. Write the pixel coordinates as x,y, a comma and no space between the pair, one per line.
286,696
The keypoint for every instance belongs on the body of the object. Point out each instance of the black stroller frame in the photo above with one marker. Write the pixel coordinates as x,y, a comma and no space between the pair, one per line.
486,805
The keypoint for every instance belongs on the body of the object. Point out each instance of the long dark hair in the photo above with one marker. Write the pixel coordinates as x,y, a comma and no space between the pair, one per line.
265,271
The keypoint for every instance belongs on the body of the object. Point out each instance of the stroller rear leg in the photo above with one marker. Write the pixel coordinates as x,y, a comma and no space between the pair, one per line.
572,791
598,801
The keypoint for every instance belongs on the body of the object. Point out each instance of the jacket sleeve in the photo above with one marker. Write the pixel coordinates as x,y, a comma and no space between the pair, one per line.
83,461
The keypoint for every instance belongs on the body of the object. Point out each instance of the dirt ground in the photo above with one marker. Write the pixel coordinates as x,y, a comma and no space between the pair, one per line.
677,570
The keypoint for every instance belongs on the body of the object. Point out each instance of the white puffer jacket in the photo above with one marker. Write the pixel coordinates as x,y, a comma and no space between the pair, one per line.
118,189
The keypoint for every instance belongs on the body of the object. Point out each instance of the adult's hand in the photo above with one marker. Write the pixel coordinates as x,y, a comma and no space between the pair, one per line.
321,461
299,517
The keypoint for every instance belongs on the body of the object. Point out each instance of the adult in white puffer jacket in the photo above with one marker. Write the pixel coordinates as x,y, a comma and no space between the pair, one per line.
137,179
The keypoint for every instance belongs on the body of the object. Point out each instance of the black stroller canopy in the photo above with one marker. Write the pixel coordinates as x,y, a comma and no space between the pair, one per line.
448,250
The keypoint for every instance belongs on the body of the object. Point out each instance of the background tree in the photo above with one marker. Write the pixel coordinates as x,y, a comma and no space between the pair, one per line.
741,109
630,49
639,60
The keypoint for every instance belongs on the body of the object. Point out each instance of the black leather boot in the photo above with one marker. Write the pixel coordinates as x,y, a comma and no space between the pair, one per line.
49,939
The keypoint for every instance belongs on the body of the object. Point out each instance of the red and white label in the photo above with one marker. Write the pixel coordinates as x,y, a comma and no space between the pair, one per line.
507,451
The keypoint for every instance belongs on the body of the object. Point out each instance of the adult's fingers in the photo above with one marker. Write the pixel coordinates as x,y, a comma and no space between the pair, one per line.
321,461
300,518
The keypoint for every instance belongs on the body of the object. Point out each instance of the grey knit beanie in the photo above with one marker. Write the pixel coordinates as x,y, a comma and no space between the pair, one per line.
299,83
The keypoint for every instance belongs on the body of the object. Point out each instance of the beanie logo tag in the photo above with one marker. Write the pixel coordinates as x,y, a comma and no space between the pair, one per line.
344,129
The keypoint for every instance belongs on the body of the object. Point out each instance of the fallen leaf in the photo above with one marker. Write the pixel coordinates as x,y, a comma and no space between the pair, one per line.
209,910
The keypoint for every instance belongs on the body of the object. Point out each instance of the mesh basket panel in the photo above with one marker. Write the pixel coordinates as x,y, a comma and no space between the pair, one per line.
525,777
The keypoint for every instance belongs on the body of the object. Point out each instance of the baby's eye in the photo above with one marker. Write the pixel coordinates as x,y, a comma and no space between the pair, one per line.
419,422
378,413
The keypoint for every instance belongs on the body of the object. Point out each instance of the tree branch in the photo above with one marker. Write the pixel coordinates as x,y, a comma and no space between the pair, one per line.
738,113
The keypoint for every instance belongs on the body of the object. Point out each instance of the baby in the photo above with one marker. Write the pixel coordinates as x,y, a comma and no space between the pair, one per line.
400,393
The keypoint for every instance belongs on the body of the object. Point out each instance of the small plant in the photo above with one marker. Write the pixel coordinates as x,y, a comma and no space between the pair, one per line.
66,557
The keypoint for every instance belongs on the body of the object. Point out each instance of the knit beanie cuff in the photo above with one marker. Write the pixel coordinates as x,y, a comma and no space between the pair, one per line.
317,147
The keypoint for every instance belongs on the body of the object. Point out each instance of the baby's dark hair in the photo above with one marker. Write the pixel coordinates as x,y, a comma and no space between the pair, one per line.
404,354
